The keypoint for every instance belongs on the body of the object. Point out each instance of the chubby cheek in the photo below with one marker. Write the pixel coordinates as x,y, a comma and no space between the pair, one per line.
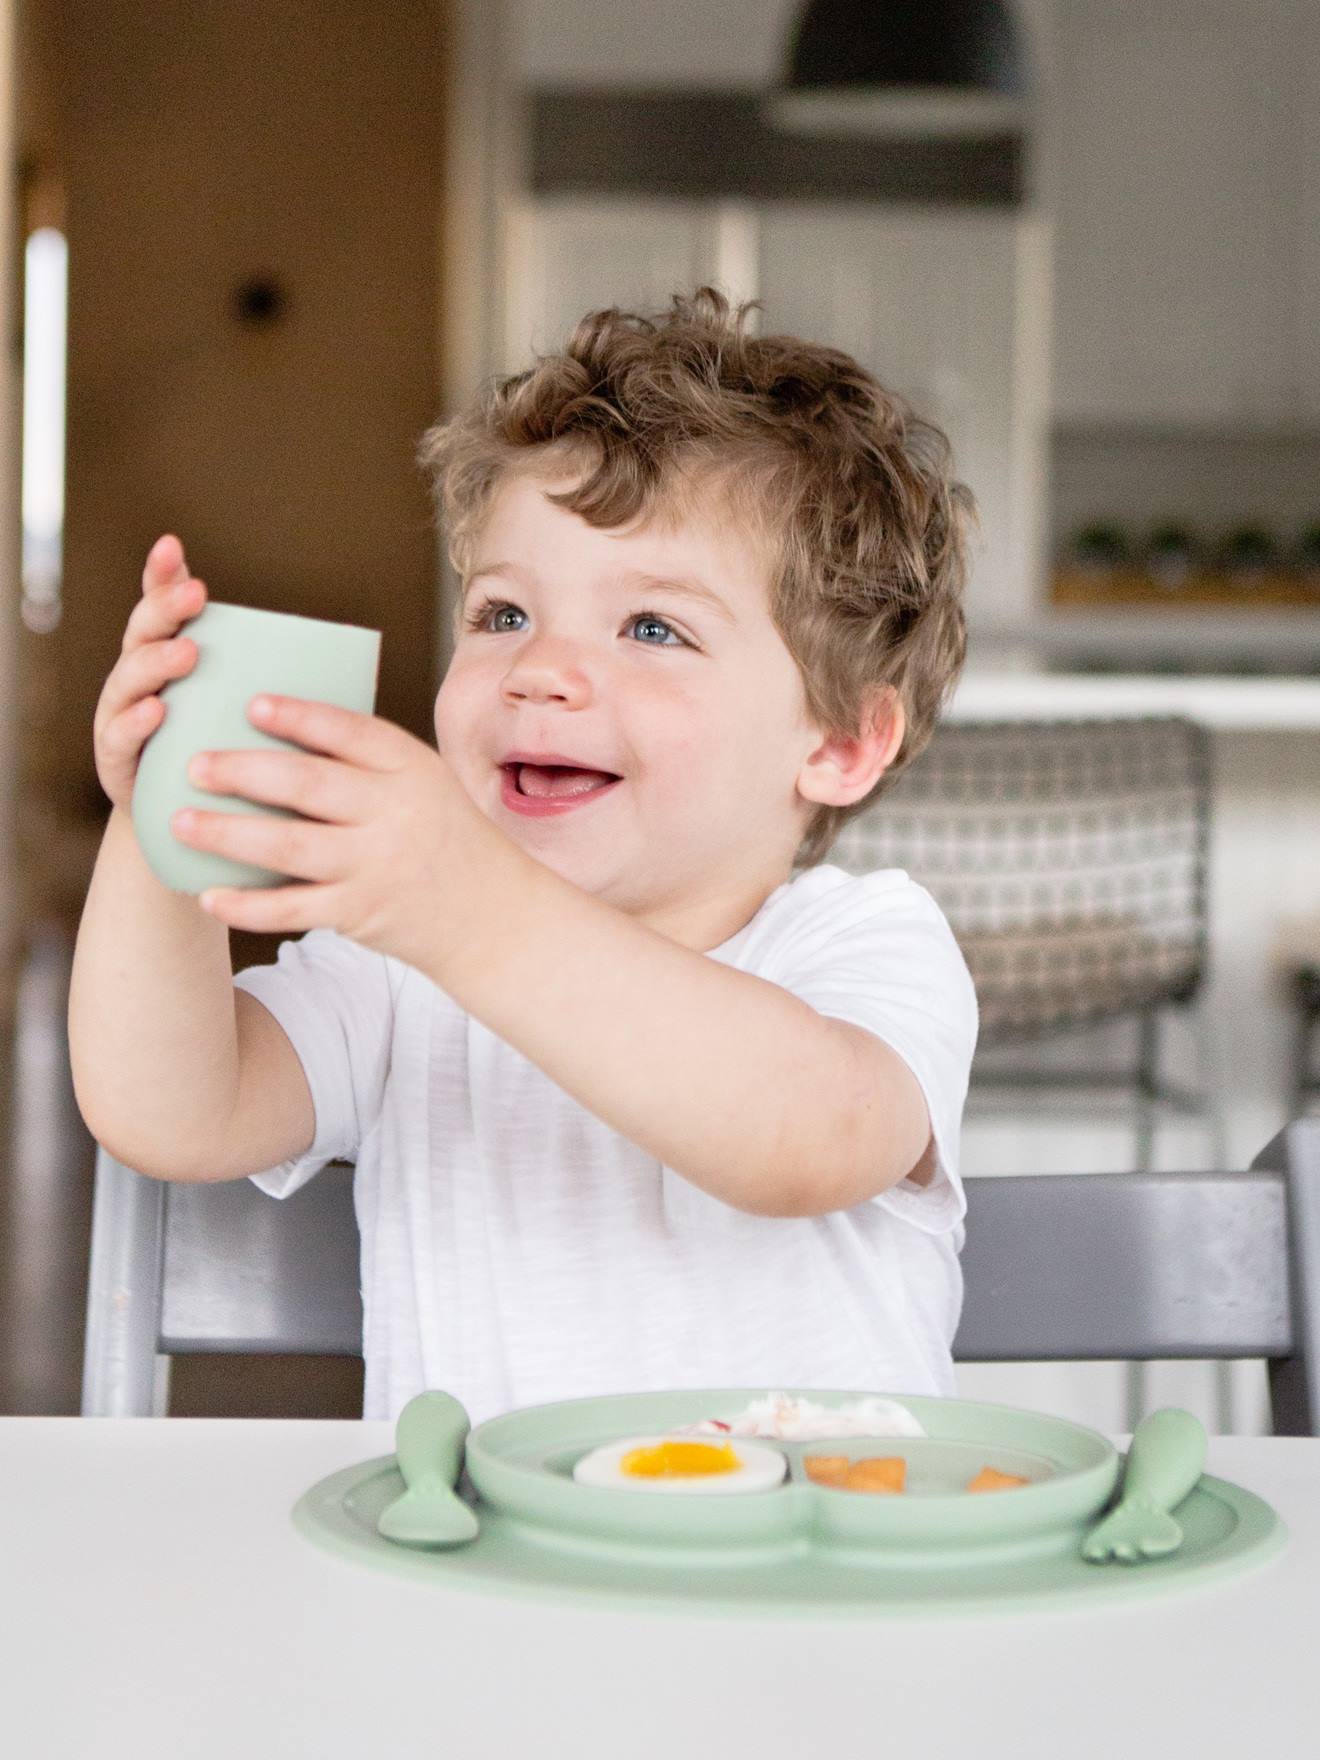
455,734
694,775
440,720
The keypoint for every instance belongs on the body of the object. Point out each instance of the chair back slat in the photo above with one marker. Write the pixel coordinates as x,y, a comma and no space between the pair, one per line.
1062,1267
245,1273
1057,1267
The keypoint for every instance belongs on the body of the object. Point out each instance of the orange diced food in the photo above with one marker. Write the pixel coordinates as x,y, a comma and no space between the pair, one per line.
827,1469
990,1479
841,1474
877,1475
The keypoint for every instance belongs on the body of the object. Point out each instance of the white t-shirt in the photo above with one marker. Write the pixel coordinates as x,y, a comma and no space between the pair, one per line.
516,1249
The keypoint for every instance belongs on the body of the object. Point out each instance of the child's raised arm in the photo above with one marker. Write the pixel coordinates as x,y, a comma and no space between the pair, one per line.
175,1073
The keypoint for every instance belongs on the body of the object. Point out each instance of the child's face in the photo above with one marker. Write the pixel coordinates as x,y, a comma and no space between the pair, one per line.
700,712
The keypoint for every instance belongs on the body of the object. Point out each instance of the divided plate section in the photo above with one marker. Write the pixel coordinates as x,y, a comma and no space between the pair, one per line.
521,1464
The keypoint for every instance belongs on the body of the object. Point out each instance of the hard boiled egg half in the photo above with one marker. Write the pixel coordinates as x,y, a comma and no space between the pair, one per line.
686,1464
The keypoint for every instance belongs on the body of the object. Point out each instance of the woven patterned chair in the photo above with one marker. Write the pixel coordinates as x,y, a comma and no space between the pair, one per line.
1070,860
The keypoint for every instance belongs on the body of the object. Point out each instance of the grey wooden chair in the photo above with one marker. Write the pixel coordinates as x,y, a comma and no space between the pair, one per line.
1066,1267
179,1268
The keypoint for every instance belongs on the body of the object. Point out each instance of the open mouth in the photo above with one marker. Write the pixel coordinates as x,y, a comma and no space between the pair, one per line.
557,782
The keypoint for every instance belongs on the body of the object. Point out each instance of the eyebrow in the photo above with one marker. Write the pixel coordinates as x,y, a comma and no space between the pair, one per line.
652,583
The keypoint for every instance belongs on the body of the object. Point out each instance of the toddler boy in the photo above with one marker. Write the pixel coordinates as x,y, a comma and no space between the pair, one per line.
641,1092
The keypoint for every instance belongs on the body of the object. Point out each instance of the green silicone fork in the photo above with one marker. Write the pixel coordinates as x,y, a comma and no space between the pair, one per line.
428,1441
1163,1464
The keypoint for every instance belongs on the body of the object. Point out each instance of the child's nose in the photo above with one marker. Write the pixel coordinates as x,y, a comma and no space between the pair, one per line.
548,670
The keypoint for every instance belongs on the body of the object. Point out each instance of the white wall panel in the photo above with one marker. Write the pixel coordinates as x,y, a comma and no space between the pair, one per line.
950,308
569,256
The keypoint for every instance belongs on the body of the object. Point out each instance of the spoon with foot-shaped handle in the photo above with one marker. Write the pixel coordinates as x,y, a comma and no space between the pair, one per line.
428,1442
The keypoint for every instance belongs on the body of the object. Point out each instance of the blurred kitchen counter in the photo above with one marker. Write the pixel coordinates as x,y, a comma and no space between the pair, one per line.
1250,672
1253,704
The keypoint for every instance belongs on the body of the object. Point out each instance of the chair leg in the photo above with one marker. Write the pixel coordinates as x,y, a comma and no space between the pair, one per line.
1146,1089
160,1386
1144,1092
1209,1088
1134,1394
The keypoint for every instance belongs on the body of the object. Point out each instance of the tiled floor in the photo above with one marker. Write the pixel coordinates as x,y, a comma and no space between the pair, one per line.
45,1233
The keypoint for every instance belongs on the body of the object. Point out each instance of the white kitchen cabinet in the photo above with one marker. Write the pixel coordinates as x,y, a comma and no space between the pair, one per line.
1184,148
567,256
949,307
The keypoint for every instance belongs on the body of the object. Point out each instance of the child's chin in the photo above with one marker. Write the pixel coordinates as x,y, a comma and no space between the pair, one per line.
595,871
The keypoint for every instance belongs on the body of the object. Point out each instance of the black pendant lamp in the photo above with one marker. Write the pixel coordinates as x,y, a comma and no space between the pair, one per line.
902,68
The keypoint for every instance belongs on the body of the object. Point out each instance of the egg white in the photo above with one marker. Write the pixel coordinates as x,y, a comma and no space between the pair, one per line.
760,1469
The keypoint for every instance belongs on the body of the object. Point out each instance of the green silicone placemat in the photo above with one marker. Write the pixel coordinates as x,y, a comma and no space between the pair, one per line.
1226,1529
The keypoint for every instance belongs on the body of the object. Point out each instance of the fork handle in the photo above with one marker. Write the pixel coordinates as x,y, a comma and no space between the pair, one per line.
1166,1458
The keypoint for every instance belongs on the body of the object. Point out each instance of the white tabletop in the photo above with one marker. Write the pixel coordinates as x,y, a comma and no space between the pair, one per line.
155,1600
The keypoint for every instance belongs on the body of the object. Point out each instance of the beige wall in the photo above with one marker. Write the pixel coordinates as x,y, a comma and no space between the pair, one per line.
201,146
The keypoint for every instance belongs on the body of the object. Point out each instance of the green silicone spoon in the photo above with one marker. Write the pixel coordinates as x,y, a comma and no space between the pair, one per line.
1163,1464
428,1441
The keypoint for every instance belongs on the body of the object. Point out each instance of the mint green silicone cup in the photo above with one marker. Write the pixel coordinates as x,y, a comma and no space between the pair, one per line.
241,653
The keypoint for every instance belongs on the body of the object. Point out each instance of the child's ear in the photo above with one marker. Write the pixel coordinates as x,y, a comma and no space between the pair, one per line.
845,767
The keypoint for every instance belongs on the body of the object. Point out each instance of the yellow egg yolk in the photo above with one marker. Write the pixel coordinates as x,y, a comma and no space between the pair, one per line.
680,1460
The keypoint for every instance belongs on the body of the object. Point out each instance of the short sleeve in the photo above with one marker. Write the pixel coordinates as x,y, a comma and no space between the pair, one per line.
334,1001
876,950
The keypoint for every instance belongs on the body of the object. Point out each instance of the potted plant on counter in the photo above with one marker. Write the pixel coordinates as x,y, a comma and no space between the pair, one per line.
1172,555
1248,555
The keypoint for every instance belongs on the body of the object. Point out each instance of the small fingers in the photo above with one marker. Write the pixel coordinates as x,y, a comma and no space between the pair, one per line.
299,848
162,612
364,740
268,910
123,735
165,563
119,740
319,788
141,672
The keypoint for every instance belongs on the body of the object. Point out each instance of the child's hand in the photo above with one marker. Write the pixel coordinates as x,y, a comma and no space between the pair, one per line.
391,850
128,710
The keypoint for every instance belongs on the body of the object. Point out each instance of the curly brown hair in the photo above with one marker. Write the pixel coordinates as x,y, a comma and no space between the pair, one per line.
848,491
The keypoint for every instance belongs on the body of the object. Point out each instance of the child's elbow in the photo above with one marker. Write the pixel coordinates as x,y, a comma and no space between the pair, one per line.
799,1195
818,1192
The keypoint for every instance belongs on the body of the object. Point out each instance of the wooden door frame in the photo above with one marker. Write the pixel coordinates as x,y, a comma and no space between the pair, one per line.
13,930
482,173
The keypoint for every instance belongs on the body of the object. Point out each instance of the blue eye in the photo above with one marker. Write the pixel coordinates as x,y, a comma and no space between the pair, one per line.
487,615
657,623
480,616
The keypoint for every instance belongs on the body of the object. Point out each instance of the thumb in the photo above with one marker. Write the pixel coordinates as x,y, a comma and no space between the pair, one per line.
165,563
